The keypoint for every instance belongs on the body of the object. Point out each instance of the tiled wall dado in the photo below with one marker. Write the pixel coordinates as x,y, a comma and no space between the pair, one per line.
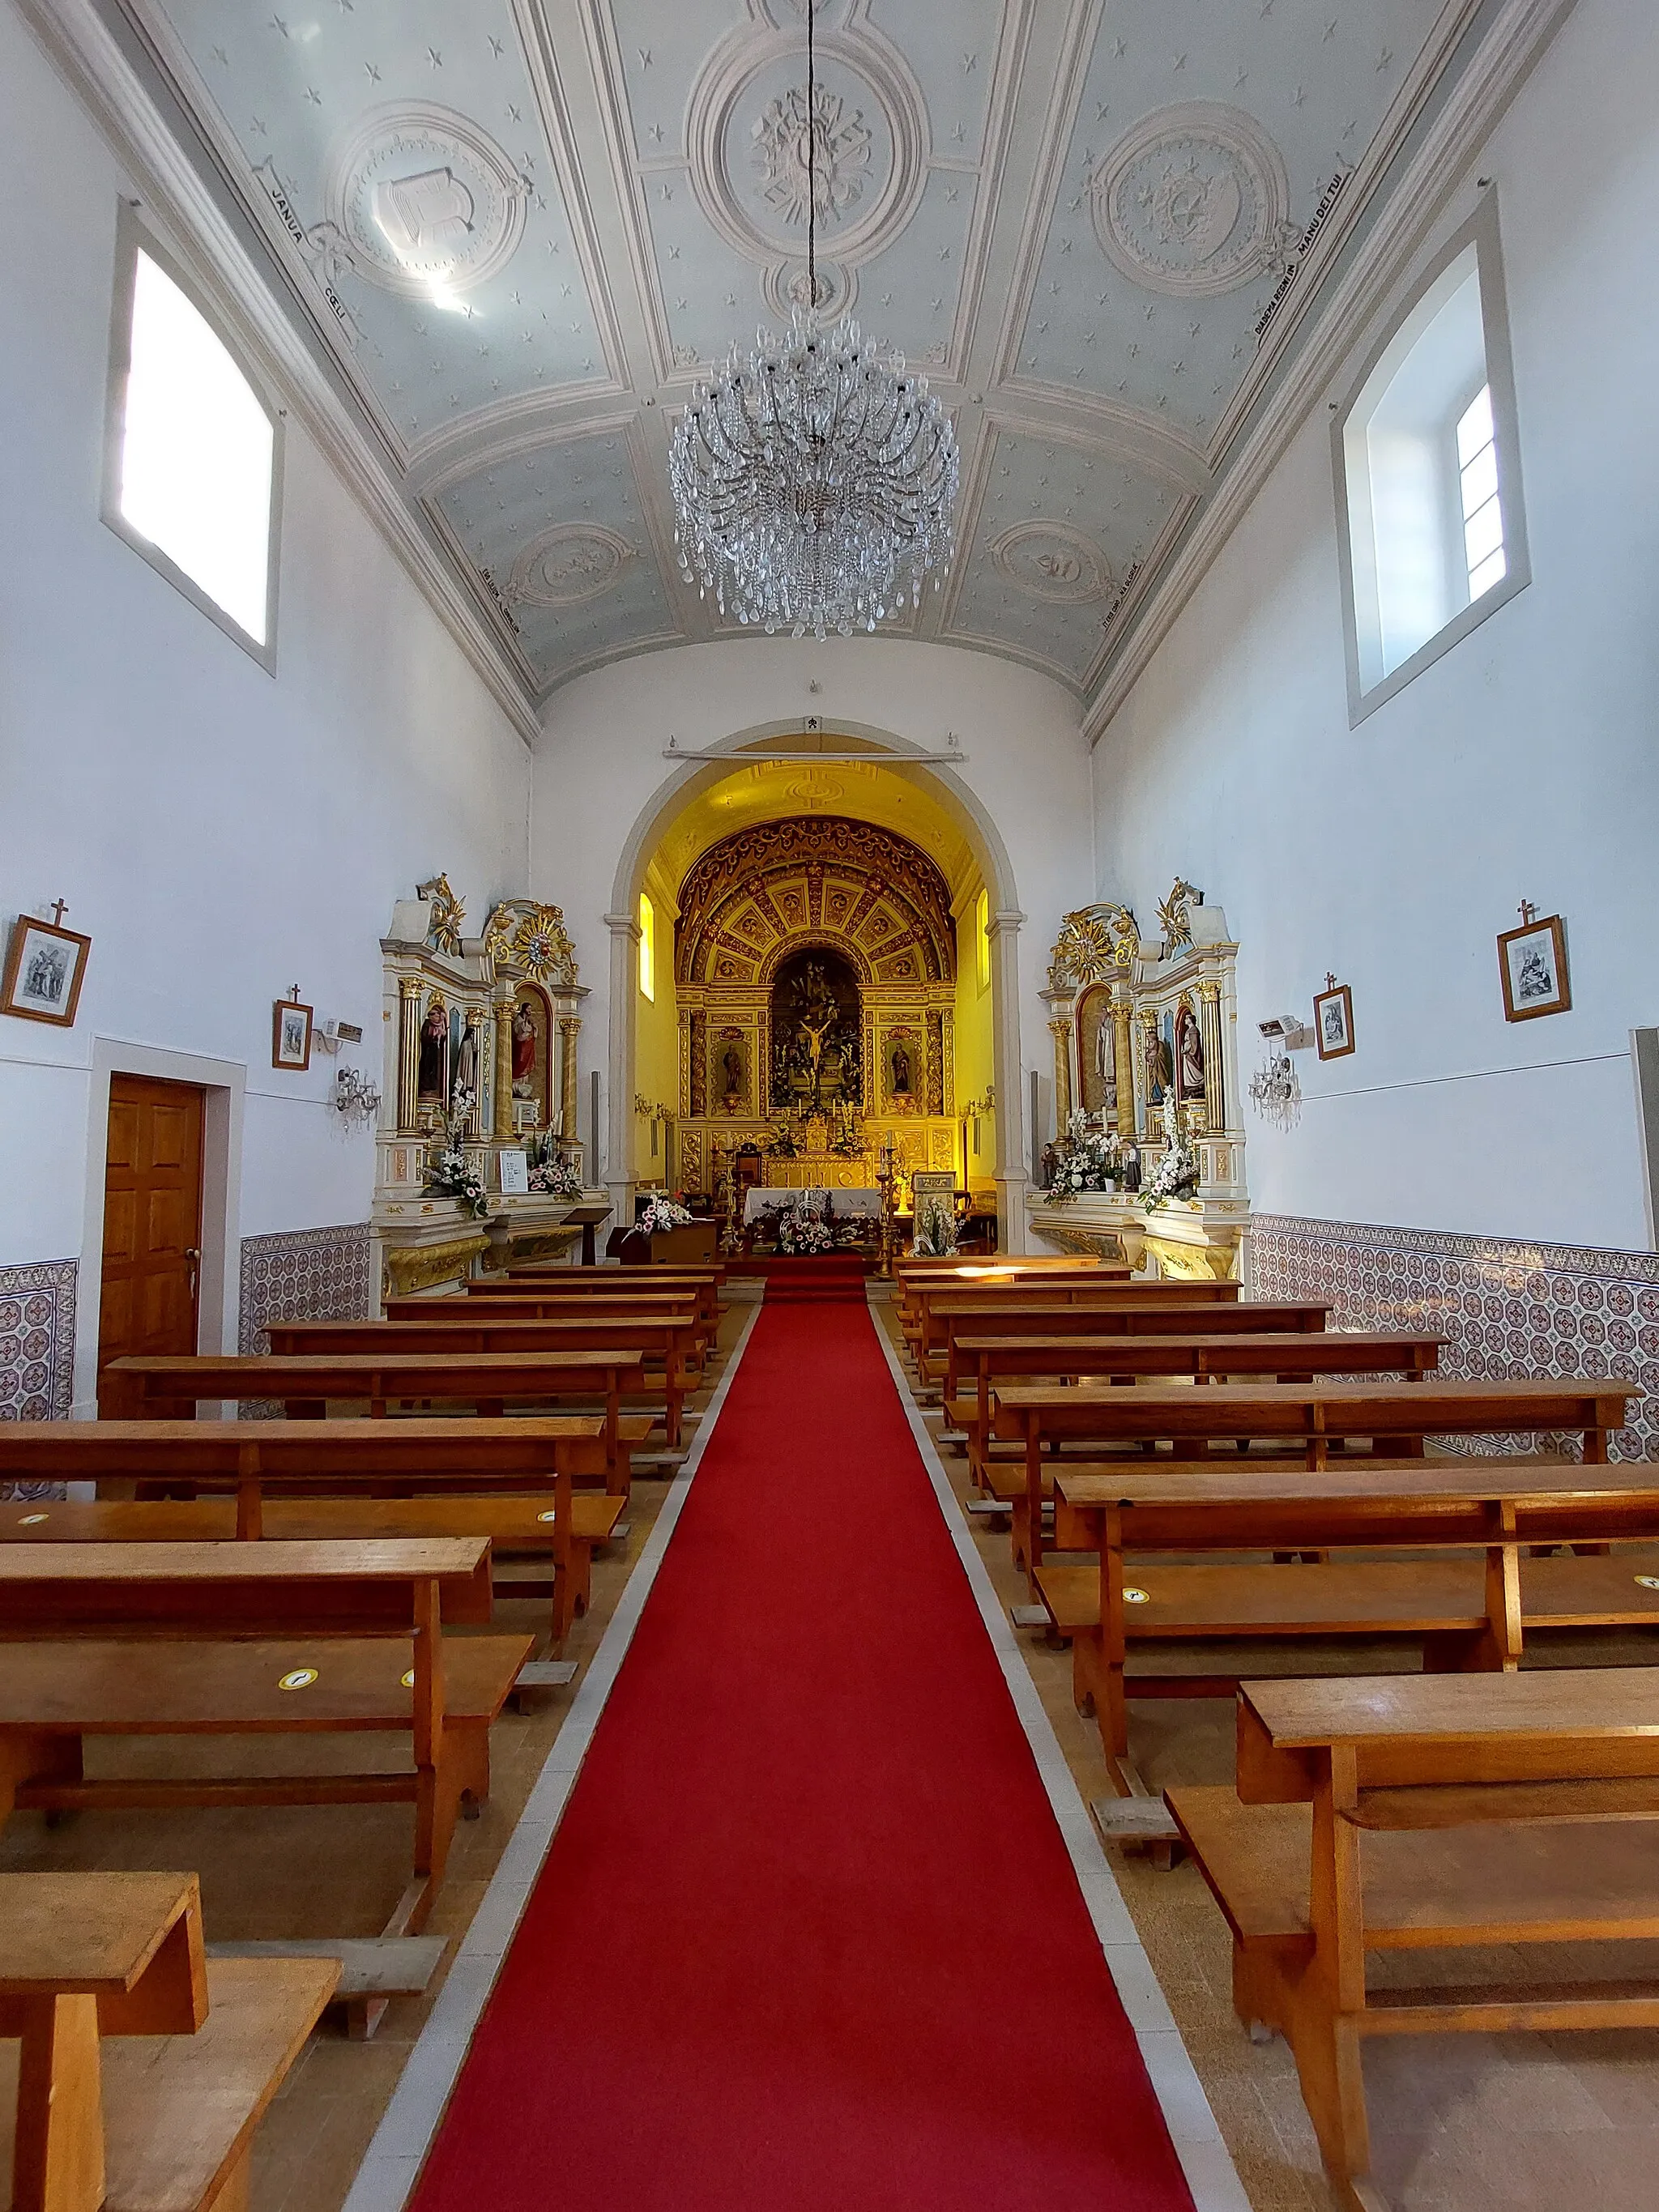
304,1274
37,1350
1506,1309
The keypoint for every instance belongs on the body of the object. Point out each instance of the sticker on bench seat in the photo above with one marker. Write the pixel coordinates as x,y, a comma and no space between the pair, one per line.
409,1679
31,1519
297,1678
1648,1581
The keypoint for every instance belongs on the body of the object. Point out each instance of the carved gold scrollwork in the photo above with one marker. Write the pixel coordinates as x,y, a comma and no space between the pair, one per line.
1094,942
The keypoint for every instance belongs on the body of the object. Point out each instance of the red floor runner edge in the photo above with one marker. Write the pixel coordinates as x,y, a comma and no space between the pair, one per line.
808,1936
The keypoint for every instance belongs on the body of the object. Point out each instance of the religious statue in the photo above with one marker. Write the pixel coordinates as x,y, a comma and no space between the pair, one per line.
1106,1063
464,1091
1189,1056
731,1069
815,1033
434,1054
524,1051
901,1072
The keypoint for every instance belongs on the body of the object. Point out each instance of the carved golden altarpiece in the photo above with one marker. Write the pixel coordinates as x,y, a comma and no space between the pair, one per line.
480,1035
1133,1019
815,964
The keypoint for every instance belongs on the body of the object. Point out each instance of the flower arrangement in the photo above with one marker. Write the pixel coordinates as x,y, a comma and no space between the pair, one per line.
1087,1159
1176,1173
659,1213
936,1229
452,1175
556,1178
801,1233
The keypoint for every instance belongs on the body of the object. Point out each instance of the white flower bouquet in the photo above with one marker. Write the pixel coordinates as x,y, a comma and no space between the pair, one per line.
452,1175
801,1234
1087,1159
659,1213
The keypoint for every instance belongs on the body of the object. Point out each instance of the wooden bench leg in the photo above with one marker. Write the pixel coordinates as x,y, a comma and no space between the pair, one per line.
58,2160
1086,1669
1326,2047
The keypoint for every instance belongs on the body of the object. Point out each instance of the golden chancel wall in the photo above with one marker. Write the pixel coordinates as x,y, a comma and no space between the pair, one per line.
815,968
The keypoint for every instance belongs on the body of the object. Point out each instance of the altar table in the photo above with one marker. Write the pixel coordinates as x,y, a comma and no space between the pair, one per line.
841,1205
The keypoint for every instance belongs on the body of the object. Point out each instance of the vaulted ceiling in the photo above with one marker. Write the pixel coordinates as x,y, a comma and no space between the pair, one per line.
517,232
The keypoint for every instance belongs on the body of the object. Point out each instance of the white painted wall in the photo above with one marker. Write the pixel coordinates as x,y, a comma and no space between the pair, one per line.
600,767
220,833
1522,764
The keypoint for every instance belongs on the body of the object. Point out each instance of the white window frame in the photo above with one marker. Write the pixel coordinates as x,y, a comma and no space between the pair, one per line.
1353,500
133,236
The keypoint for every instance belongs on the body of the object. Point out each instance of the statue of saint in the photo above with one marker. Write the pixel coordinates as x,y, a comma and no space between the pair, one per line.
1106,1063
524,1050
1189,1056
466,1067
901,1072
435,1053
731,1069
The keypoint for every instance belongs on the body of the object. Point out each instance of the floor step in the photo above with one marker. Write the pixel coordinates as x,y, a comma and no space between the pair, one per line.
370,1965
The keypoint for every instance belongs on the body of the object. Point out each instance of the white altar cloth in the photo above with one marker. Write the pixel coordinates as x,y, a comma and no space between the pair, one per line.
841,1205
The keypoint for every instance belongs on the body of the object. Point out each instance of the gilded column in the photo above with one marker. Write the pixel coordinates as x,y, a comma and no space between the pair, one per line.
504,1067
1123,1055
570,1028
1209,1030
408,1052
1060,1029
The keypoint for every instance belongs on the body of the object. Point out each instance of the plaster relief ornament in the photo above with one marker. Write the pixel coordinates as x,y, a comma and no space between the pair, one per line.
445,914
1094,942
570,563
824,165
424,204
523,934
1174,917
1193,202
1052,560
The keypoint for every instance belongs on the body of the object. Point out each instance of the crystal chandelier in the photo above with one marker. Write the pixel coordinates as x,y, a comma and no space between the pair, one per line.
814,480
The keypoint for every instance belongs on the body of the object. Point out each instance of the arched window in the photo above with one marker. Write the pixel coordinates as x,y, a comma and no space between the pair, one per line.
194,450
648,949
1429,477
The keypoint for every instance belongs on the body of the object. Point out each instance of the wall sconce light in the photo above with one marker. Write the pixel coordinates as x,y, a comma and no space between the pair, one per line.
354,1096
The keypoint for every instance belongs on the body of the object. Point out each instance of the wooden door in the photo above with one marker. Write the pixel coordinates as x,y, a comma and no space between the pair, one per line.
152,1227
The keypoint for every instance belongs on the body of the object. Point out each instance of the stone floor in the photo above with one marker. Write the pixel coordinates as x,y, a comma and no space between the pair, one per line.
1460,2123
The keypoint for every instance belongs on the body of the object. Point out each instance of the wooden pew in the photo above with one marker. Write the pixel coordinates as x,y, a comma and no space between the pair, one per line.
304,1385
247,1639
1308,1417
1121,1316
1473,1610
1283,1355
704,1283
142,2068
508,1481
1403,1813
670,1340
924,1334
678,1301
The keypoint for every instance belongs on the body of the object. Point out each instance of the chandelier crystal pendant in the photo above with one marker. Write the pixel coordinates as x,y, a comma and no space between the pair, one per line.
815,479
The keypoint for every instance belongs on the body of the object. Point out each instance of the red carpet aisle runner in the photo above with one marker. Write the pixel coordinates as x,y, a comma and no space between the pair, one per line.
808,1939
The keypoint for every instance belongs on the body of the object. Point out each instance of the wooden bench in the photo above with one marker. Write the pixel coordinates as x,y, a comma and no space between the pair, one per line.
1412,1813
703,1284
249,1639
1283,1355
134,2070
1309,1417
1121,1316
526,1526
669,1340
305,1384
925,1334
1471,1611
531,1305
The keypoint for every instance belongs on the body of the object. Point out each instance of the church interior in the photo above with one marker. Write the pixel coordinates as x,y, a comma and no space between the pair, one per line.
832,1252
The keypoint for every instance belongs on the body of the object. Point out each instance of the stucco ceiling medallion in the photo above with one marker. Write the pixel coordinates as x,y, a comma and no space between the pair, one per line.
748,136
1194,201
785,286
1052,560
569,564
424,203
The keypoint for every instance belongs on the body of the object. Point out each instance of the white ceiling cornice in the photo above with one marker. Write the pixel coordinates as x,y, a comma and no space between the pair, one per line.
1508,52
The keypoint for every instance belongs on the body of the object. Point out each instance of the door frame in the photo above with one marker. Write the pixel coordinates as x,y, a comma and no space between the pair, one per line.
224,1085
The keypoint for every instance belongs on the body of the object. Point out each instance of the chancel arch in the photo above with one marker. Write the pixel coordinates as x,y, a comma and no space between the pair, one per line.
762,854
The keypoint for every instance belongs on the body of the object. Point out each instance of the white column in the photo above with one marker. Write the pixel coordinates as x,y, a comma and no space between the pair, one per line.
1012,1177
619,1177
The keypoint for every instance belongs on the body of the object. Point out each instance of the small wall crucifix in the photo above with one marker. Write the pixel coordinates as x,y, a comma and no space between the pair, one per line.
59,909
1529,914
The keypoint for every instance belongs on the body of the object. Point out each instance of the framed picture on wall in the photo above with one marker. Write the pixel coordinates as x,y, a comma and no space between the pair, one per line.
46,964
1532,961
290,1036
1334,1022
